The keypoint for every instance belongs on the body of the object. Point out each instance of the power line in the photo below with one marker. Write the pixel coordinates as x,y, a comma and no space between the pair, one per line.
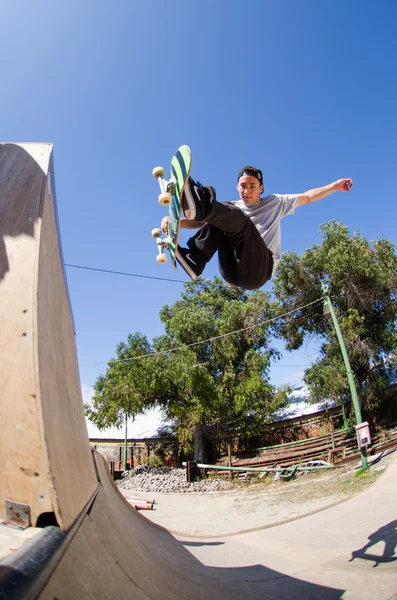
123,273
140,276
218,337
199,365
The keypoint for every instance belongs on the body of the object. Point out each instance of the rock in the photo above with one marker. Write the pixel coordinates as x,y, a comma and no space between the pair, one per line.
163,479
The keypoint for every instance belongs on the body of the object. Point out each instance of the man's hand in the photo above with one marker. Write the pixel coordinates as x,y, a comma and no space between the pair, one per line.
164,224
184,224
343,185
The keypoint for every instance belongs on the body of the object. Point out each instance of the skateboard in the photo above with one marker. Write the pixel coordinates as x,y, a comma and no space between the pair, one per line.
171,195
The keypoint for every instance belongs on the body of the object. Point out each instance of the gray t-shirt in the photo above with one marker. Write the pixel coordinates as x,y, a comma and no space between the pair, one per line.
266,216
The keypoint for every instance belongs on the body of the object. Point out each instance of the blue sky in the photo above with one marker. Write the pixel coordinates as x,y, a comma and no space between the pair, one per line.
305,90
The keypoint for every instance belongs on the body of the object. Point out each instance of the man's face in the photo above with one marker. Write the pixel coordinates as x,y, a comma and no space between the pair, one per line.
249,189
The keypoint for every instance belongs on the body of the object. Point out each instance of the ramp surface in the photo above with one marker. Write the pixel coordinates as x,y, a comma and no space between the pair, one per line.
112,551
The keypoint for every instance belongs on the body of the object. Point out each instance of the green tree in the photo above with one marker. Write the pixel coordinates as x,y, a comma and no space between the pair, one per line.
363,286
219,378
204,378
127,386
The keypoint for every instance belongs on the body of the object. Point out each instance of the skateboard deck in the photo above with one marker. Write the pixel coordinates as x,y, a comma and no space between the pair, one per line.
171,196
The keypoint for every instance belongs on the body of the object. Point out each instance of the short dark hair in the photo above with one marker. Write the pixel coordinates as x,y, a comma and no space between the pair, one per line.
253,171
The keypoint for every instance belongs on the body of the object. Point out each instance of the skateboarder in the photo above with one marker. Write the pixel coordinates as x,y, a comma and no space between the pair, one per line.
246,233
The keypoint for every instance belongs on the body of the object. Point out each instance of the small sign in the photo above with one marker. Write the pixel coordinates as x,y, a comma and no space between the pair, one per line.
363,435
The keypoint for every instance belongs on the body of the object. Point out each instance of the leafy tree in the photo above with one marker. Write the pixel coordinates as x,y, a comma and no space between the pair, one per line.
127,387
203,377
363,286
219,378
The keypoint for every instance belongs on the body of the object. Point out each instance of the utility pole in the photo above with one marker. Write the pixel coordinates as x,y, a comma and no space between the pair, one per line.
125,441
329,309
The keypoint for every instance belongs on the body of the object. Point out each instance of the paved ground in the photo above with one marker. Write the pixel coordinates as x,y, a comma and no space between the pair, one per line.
346,552
257,505
350,549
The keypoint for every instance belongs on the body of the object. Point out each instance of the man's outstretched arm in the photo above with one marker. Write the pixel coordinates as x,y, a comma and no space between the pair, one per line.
342,185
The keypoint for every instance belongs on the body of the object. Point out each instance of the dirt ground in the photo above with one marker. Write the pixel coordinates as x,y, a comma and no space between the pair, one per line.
258,503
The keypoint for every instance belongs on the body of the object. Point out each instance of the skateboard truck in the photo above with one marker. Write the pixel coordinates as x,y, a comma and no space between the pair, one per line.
166,187
161,244
171,187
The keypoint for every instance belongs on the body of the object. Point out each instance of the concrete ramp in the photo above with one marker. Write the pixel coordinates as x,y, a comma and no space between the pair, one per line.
83,539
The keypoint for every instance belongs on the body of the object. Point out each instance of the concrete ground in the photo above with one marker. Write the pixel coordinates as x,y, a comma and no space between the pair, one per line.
255,506
350,549
224,513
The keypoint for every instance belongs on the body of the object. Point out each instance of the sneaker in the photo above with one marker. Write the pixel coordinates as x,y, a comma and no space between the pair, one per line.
197,200
183,257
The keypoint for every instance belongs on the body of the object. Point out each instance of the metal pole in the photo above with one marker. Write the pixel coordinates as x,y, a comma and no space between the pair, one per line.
329,308
125,442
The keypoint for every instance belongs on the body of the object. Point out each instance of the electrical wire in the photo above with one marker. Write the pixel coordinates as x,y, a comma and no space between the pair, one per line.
123,273
111,271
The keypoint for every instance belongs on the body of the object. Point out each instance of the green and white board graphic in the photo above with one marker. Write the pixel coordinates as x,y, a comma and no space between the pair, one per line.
181,164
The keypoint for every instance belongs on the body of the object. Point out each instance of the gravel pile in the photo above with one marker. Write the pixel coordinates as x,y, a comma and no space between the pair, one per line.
163,479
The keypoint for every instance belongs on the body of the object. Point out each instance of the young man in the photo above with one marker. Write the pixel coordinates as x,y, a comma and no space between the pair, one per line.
246,233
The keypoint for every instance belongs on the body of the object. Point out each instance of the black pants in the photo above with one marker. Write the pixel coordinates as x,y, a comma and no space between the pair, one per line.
244,259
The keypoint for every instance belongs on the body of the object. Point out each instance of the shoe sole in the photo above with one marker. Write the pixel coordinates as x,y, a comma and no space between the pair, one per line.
185,266
190,212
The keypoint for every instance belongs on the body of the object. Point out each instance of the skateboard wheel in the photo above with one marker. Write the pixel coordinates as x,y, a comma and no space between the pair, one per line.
156,233
161,258
165,199
158,172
